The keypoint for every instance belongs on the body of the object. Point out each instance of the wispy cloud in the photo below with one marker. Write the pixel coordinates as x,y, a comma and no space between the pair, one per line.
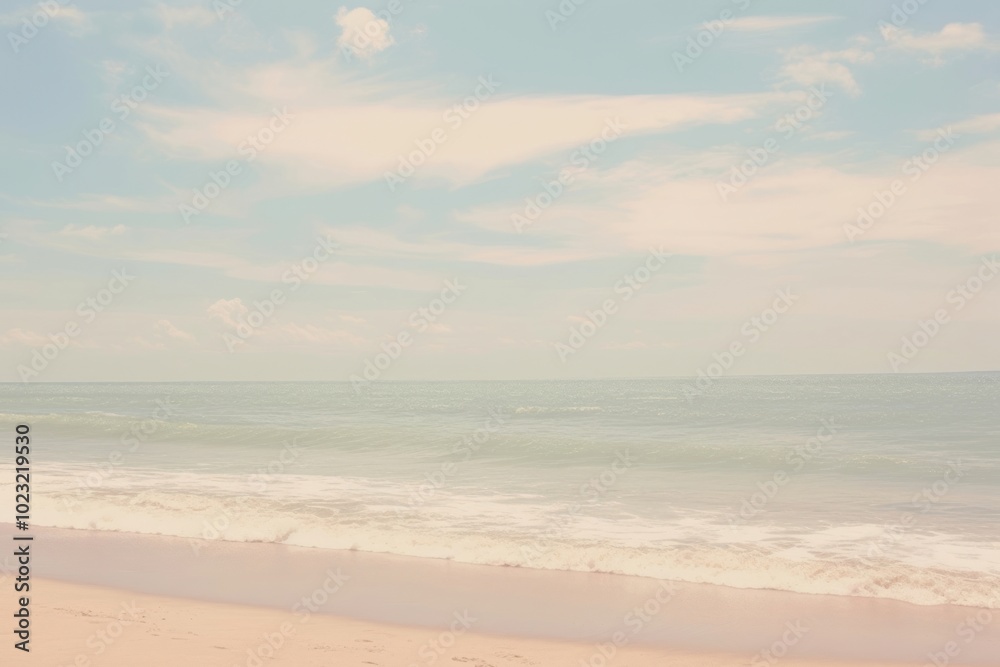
69,16
807,66
192,15
954,37
982,124
774,23
92,232
166,328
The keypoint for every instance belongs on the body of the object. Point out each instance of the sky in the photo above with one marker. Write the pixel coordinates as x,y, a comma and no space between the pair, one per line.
446,190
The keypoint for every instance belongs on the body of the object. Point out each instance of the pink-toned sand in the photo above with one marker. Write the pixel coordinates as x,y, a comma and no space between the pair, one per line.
86,626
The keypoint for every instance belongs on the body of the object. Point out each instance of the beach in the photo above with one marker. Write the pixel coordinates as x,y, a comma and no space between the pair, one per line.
500,334
851,520
109,597
86,625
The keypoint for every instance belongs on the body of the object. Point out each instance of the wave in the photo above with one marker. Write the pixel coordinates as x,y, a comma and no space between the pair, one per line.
555,410
919,567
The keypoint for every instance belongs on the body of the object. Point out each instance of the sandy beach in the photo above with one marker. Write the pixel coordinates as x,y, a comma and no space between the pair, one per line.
125,599
80,626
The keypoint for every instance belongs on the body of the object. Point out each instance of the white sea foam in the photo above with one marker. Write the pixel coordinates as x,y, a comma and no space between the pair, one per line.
872,512
520,530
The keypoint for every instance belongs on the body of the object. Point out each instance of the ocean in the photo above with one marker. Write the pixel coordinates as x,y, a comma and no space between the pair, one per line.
876,486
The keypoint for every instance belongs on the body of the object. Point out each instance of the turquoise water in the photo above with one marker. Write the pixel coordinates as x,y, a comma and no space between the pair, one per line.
882,486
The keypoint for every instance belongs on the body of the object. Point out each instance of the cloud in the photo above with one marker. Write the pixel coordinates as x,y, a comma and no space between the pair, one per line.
313,334
362,33
772,23
794,205
91,232
143,343
348,130
104,203
356,140
229,312
807,67
166,328
830,135
194,15
952,37
19,336
72,20
983,124
359,242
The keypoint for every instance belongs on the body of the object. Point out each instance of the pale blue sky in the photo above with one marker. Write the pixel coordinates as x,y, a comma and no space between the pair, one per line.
334,113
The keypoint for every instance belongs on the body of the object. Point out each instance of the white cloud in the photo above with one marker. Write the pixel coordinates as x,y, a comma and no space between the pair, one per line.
71,17
145,344
166,328
352,140
314,334
807,67
790,207
952,37
194,15
19,336
772,23
92,232
983,124
228,311
830,135
348,130
363,33
102,203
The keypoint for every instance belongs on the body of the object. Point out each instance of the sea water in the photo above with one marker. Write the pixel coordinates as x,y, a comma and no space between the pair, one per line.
879,486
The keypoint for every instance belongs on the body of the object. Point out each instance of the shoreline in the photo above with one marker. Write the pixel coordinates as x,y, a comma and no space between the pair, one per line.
84,625
509,604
